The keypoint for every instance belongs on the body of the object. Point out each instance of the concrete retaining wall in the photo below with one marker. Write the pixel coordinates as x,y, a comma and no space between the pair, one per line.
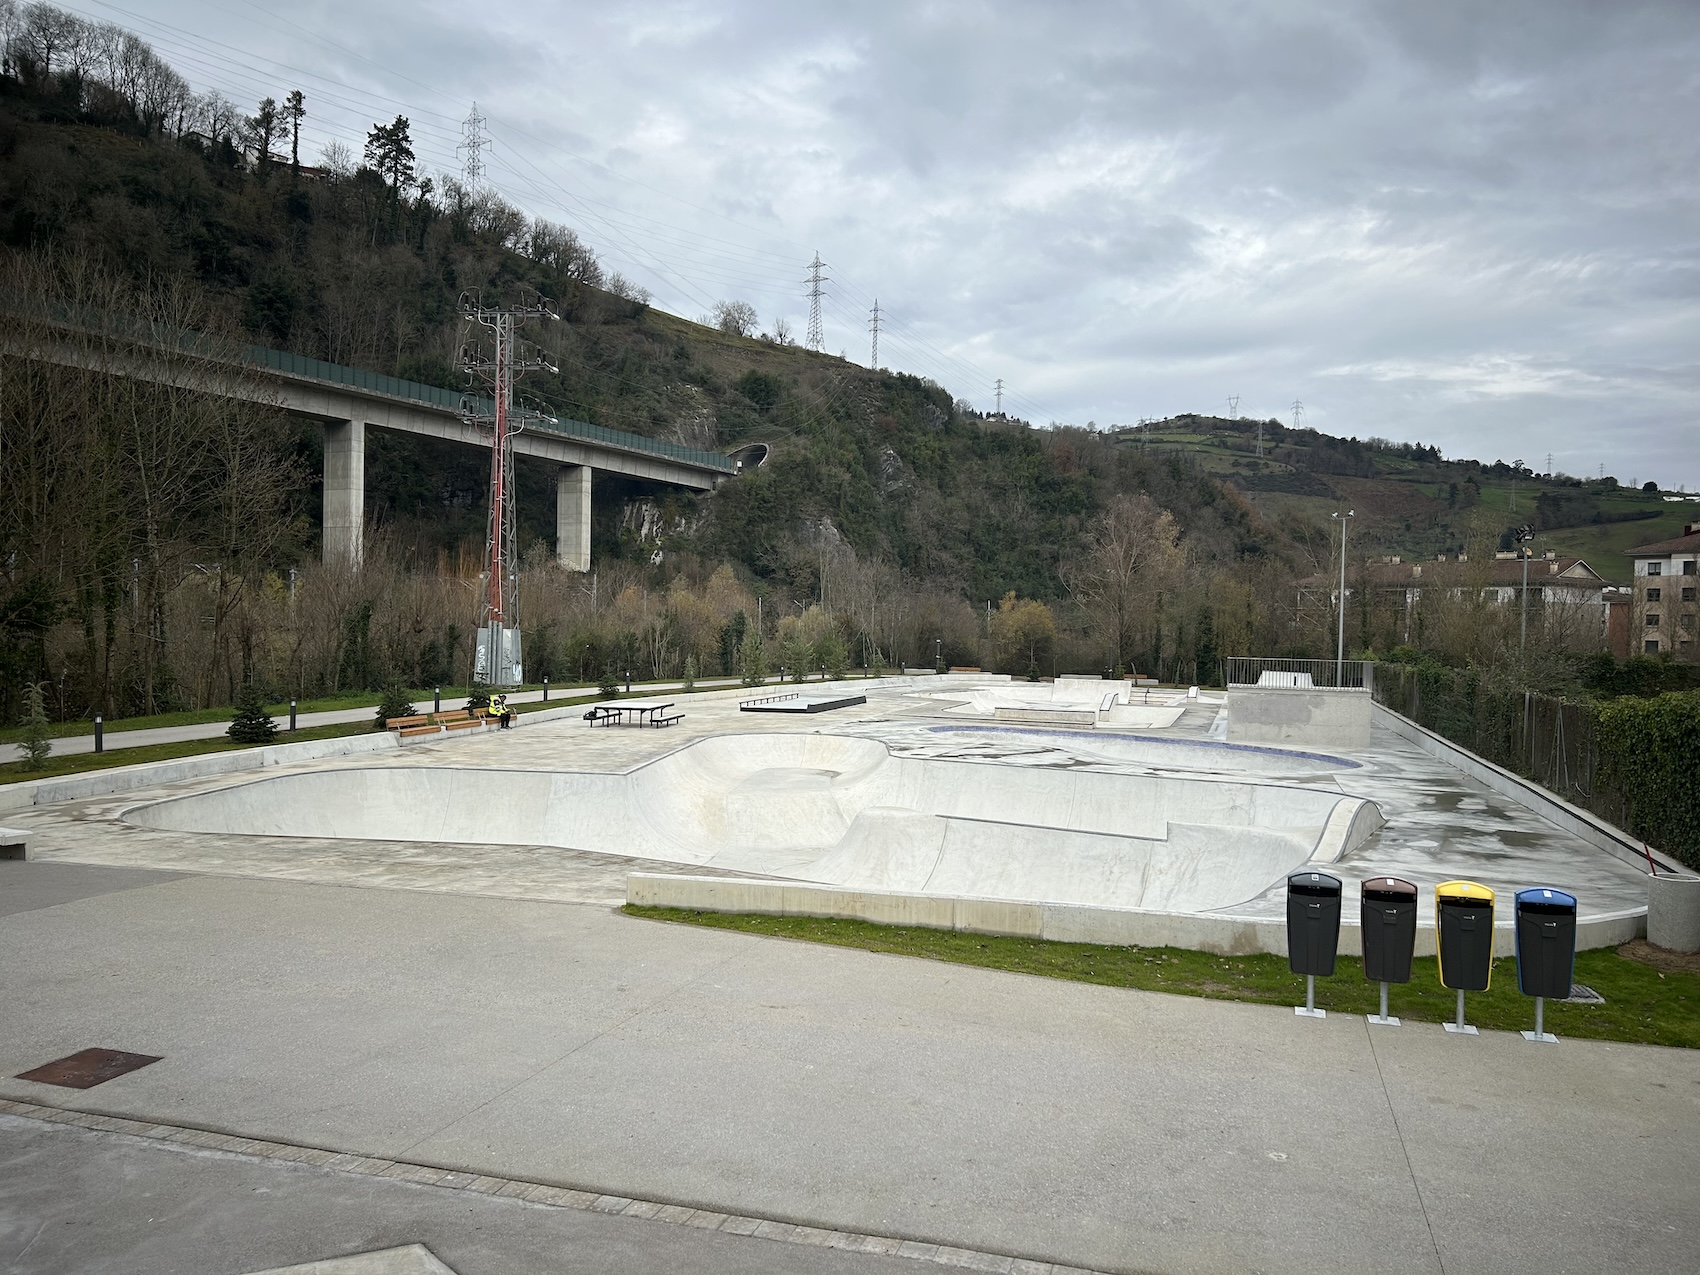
100,783
1058,922
1328,718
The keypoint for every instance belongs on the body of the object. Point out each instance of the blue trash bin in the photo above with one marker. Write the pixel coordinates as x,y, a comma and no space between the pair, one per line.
1546,949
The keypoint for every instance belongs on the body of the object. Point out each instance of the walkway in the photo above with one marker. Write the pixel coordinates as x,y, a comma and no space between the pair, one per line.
692,1072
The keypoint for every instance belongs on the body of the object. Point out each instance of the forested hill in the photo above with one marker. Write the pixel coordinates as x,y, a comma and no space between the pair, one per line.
341,264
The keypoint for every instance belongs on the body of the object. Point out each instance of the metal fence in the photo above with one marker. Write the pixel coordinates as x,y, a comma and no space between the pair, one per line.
1540,737
1280,673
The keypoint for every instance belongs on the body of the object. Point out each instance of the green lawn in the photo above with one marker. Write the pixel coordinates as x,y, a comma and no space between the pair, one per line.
1643,1006
1602,546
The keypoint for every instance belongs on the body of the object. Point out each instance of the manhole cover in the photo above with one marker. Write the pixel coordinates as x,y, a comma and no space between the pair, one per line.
88,1067
1582,994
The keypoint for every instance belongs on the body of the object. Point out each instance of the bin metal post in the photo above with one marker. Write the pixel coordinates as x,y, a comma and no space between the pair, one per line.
1463,920
1313,932
1388,916
1546,951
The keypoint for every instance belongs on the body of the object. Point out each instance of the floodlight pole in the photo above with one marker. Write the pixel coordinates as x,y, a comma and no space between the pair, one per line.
1524,535
1340,641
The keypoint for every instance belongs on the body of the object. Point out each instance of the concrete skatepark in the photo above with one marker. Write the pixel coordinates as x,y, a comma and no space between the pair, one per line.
369,964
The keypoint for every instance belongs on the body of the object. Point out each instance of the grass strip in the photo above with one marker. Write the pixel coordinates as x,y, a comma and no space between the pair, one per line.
1643,1006
77,763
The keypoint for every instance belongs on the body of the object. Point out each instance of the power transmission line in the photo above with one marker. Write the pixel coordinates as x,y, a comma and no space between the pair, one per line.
1000,395
1298,413
874,328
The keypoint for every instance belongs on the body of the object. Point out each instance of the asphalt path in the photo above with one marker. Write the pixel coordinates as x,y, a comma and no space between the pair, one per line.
572,1045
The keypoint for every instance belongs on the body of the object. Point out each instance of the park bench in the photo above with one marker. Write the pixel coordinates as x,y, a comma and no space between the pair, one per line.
409,732
602,713
465,723
455,715
669,720
405,723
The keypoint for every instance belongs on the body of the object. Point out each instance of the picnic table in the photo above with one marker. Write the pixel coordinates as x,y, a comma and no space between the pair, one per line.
643,712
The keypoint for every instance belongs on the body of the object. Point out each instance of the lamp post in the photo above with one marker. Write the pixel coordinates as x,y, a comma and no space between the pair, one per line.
938,655
1340,640
1524,535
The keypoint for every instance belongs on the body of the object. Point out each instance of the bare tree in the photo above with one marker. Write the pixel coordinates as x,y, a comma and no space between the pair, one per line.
737,318
1133,558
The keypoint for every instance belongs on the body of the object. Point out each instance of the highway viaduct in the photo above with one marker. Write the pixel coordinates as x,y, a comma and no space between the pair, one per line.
349,401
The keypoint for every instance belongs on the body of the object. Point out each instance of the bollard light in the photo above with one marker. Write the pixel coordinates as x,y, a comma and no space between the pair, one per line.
545,690
99,735
437,702
292,712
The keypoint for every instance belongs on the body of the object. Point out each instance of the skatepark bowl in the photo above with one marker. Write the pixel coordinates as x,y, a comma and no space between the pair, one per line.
842,810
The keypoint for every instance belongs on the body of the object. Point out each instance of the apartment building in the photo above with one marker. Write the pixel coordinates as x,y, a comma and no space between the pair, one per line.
1665,604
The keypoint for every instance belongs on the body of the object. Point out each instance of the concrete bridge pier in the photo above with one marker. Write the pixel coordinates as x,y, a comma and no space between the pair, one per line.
345,491
572,517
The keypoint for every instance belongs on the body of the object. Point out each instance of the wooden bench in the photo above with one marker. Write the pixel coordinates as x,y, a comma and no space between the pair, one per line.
668,720
408,732
465,723
403,723
457,715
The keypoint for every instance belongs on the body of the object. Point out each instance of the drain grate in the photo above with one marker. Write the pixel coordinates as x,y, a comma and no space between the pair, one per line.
1582,994
88,1067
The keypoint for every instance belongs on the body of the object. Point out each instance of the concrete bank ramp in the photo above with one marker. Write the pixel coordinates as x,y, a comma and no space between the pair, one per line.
838,810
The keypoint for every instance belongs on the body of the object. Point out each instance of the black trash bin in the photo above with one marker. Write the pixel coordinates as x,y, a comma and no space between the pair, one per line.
1463,918
1313,931
1387,911
1546,949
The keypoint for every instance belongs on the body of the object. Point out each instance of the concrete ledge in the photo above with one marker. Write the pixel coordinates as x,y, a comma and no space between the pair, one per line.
14,843
1048,716
100,783
1326,717
1058,922
1549,806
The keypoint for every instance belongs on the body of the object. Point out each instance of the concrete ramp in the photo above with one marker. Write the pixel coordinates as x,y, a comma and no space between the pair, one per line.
838,810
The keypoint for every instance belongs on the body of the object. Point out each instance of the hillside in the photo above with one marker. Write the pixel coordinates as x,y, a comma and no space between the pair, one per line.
1411,501
889,522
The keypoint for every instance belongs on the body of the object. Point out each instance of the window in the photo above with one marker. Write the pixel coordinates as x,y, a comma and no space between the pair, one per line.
1655,568
1653,620
1689,567
1688,595
1652,595
1651,646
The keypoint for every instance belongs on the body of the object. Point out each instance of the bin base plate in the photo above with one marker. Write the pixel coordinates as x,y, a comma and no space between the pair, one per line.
1302,1012
1545,1038
1379,1021
1465,1030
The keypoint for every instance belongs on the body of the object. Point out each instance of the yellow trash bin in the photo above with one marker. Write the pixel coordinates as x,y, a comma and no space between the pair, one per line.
1463,922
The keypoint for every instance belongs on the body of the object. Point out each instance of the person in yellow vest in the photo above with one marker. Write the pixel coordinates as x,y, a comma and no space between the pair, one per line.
500,711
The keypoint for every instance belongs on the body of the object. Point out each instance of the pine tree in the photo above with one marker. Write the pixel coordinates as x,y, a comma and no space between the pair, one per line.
754,658
36,745
252,724
394,704
690,672
609,686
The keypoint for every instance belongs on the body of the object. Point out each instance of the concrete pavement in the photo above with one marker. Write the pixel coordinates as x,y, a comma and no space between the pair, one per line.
1107,1129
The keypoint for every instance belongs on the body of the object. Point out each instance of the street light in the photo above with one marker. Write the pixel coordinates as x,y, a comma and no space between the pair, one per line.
1340,646
1523,536
938,655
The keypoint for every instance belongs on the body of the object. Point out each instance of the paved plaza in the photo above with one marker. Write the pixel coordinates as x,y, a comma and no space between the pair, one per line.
368,1044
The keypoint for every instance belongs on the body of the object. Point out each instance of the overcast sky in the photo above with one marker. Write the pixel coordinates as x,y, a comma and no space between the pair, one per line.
1467,224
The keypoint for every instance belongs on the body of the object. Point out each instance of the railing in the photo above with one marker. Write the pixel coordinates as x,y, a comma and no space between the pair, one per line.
470,404
1290,674
767,699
